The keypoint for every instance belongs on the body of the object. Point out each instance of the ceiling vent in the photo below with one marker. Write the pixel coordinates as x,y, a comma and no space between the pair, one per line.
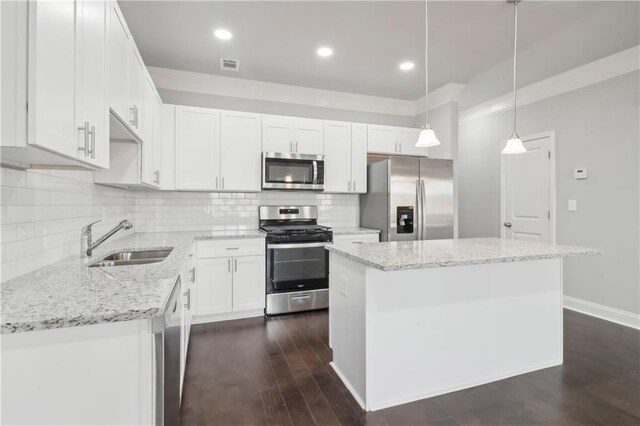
227,64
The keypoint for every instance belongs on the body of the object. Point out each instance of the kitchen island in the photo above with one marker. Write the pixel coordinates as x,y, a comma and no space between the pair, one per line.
410,320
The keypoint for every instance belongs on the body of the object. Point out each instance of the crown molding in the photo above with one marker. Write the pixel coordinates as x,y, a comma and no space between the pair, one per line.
443,95
273,92
594,72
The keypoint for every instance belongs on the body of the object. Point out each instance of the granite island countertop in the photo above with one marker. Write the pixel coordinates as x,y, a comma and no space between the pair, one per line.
69,293
401,255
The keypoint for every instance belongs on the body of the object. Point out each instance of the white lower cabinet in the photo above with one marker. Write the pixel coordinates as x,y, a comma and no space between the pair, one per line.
230,279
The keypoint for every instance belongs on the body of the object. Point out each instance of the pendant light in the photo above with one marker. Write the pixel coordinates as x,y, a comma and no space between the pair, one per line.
427,136
514,144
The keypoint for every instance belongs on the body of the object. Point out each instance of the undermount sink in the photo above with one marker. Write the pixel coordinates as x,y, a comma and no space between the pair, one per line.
132,257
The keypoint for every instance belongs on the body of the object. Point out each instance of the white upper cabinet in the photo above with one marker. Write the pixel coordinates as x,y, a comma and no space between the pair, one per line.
277,134
119,57
168,161
337,151
308,136
345,147
137,93
92,113
63,81
292,135
393,140
52,77
197,141
407,138
149,169
240,151
359,158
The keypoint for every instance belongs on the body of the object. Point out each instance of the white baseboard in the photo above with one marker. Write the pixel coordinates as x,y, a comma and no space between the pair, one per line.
603,312
203,319
348,385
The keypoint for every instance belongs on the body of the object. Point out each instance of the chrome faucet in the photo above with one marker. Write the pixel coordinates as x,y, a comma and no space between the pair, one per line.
86,239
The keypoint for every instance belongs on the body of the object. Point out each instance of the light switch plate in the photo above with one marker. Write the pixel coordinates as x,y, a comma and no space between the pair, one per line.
572,205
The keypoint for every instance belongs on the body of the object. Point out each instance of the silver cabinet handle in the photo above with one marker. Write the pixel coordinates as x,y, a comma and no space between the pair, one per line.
349,186
229,265
297,147
507,224
222,182
235,265
134,116
193,275
92,132
232,248
354,185
157,173
396,147
399,147
187,294
216,182
86,131
291,146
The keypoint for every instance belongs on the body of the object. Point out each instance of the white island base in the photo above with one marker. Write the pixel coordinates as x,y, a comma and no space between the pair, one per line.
400,336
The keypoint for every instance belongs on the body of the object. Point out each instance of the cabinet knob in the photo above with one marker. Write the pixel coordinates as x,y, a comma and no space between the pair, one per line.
507,224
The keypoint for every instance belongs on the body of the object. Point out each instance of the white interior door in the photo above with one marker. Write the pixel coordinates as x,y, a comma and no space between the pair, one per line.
527,192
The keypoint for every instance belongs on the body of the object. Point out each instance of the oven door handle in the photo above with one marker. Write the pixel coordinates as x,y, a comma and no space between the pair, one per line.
296,245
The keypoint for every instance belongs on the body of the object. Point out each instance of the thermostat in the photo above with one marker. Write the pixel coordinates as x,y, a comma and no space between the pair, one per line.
580,174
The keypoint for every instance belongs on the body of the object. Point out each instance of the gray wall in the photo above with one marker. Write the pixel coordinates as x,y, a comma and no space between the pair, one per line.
279,108
596,127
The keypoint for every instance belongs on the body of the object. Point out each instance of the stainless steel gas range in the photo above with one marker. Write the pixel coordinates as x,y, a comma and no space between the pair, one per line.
297,263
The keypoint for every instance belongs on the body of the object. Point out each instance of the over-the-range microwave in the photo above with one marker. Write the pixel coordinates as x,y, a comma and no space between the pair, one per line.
292,171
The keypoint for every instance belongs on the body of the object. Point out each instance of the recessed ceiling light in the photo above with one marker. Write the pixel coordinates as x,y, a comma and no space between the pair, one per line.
222,34
407,66
324,52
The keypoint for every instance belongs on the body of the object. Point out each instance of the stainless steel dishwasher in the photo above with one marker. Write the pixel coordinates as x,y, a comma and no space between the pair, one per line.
167,331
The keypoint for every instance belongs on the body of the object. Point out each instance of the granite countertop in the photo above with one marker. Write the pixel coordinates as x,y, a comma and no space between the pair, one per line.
69,293
401,255
353,230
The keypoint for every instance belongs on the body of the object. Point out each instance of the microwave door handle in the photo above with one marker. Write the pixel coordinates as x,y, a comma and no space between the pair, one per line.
315,172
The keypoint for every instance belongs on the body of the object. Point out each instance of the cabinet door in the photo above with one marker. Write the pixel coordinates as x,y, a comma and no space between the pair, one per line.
213,287
136,91
167,179
197,148
118,59
337,151
92,107
52,77
157,140
239,151
148,174
248,283
277,134
407,138
358,158
308,136
381,139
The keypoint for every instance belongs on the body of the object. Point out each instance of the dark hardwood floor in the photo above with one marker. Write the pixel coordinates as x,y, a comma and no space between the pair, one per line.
276,372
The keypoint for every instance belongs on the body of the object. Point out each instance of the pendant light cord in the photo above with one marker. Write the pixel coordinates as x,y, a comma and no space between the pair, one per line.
515,61
426,61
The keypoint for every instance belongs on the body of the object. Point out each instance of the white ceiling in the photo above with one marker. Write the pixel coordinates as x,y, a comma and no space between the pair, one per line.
276,41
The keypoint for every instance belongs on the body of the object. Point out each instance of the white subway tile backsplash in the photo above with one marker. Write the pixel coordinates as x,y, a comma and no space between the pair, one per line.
42,212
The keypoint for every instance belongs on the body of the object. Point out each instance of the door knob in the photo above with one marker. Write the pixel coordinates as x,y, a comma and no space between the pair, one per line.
507,224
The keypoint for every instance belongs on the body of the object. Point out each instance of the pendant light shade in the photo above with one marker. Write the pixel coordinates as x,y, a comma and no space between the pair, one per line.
427,137
514,145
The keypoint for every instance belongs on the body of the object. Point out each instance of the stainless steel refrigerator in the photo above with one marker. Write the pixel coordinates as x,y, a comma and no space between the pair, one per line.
409,199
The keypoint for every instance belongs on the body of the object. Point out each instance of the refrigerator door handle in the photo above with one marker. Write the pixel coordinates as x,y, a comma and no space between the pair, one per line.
423,210
418,218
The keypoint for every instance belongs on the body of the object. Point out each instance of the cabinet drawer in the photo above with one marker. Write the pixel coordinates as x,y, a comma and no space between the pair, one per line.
356,238
230,248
